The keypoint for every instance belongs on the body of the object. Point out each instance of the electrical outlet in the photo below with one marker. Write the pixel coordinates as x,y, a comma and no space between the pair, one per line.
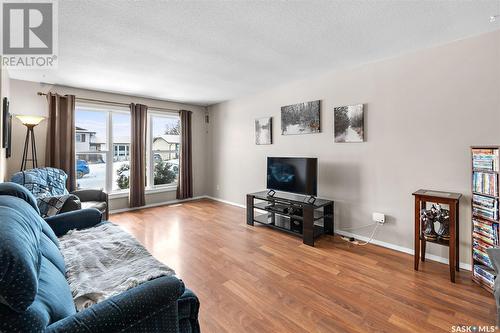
217,187
378,217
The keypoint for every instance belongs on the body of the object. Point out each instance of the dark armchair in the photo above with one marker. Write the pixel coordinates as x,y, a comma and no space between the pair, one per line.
97,199
51,182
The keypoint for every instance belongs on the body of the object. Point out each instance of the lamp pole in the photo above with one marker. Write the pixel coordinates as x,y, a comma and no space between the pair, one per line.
30,122
30,134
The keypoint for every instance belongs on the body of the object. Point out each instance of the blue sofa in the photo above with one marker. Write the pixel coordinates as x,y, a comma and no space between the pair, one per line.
34,293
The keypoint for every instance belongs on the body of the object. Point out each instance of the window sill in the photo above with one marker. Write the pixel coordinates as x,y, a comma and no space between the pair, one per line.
124,194
115,195
159,189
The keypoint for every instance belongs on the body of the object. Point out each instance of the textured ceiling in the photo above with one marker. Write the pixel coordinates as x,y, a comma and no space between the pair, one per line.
208,51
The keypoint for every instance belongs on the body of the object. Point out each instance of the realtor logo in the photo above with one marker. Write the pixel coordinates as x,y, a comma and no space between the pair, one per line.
29,34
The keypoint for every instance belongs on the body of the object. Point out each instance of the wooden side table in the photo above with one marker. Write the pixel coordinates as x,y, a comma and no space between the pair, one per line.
446,198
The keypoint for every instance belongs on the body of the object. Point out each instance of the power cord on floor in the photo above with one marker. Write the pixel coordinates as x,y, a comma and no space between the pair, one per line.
352,240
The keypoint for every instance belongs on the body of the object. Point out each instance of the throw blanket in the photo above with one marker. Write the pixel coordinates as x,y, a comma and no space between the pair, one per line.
50,206
48,185
42,182
105,261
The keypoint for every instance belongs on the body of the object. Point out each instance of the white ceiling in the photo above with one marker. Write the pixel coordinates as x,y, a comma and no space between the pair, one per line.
205,52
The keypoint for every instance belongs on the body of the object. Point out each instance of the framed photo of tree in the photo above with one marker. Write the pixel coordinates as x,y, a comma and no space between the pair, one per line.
301,118
348,123
264,131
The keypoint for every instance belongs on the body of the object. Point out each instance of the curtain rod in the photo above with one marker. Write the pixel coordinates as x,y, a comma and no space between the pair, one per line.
112,103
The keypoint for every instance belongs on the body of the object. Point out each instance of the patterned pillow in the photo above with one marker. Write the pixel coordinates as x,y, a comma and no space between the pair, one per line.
50,206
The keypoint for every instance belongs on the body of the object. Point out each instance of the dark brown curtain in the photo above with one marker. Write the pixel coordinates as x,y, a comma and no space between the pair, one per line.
137,179
60,150
185,181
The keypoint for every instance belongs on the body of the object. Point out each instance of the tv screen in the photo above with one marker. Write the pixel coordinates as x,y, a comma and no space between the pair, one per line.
292,174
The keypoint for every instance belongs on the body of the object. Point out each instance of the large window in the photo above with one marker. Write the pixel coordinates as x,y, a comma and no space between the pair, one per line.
163,149
91,154
103,148
121,150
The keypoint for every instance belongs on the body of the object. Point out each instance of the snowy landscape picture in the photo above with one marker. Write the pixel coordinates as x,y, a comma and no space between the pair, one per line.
301,118
263,131
349,123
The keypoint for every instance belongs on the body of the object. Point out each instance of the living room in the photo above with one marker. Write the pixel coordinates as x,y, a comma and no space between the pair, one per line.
250,167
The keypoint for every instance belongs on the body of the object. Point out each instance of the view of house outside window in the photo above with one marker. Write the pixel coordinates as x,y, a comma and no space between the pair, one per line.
121,150
165,144
91,148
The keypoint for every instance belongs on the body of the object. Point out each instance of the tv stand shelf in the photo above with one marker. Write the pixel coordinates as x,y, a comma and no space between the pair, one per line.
291,213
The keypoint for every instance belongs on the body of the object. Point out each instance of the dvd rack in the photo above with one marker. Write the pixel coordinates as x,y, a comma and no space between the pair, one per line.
485,219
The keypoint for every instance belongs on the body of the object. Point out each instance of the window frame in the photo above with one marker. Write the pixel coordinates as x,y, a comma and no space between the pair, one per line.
150,186
108,110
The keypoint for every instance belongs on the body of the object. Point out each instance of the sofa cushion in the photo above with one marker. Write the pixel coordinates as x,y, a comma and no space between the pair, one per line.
49,244
31,266
52,303
19,191
20,257
53,294
51,252
15,202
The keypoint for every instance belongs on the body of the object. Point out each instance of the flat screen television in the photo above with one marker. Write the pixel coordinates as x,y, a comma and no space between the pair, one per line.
293,174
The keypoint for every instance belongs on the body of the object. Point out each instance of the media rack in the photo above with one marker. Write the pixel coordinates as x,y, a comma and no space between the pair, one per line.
485,217
291,213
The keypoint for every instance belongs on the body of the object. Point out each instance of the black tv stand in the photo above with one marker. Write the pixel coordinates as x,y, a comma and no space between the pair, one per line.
308,217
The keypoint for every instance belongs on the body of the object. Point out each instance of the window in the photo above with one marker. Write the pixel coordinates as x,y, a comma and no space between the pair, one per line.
121,150
102,147
80,137
91,154
163,149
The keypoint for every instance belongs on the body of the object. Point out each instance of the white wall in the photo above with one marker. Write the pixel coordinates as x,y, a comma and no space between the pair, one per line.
24,100
423,112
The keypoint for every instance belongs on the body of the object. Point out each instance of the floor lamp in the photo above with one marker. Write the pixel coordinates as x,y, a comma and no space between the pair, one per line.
30,122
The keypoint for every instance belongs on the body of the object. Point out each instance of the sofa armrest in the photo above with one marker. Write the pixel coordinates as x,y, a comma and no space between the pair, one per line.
189,307
152,306
73,203
78,219
91,195
494,254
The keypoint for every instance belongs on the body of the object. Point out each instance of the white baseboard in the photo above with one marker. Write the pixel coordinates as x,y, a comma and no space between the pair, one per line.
226,202
165,203
432,257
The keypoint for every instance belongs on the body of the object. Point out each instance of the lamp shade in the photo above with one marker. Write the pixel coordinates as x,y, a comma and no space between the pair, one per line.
30,120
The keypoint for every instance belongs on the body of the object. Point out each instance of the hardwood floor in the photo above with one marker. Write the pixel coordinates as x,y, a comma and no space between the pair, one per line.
253,279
